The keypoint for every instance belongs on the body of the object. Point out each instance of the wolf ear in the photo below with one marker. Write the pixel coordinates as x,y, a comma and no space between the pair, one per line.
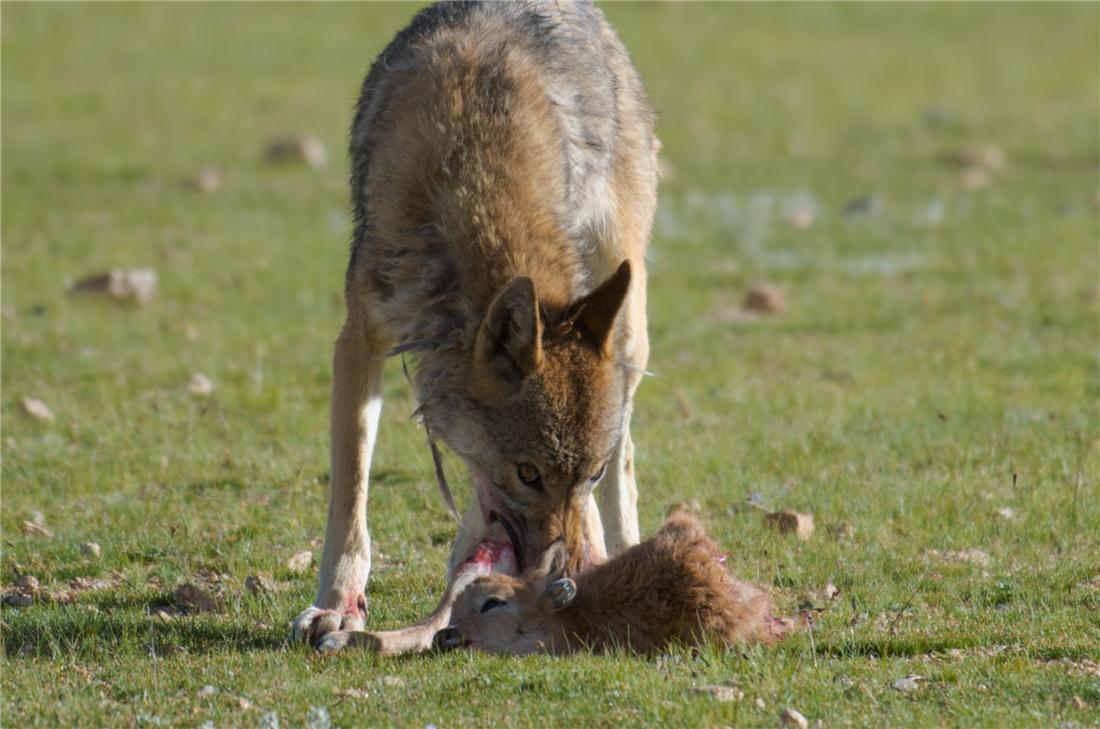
595,313
509,341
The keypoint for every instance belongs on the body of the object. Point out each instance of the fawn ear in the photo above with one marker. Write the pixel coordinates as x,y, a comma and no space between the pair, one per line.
552,565
559,594
594,314
509,340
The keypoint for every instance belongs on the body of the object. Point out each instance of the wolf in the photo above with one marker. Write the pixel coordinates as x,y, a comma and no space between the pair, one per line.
670,588
503,183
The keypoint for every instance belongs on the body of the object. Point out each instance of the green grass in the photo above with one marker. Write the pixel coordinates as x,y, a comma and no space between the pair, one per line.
937,362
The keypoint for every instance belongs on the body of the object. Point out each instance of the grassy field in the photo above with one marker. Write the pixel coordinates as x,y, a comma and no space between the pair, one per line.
933,382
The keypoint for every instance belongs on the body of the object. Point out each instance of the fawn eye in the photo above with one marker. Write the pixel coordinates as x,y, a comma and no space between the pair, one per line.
491,604
529,475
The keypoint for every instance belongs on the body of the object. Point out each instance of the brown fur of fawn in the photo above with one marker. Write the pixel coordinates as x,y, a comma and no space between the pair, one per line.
670,588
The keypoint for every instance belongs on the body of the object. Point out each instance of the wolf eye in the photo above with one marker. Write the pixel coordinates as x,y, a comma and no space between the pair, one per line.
529,475
491,604
595,479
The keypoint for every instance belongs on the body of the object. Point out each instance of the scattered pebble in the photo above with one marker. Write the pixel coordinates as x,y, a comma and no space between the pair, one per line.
193,598
909,683
18,599
987,157
318,718
353,693
28,583
138,285
305,148
865,206
831,592
793,718
91,549
300,561
36,530
243,704
258,586
691,506
764,299
1007,512
975,557
721,693
788,522
974,178
393,681
841,531
200,385
37,409
208,180
270,720
207,691
760,704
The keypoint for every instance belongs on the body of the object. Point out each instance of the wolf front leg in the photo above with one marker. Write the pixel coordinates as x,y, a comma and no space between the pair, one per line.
617,494
341,602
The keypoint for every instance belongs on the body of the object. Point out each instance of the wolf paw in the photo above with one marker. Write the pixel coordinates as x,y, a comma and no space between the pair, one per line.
314,623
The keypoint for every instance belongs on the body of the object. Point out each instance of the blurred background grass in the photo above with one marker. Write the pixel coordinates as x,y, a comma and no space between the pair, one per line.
936,362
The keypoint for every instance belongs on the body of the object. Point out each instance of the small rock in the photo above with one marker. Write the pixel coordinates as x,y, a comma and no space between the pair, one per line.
138,285
200,385
988,157
830,592
974,178
36,530
764,299
760,704
243,704
193,598
393,681
865,206
258,586
207,691
91,549
691,506
37,409
27,583
38,518
270,720
318,718
721,693
1007,512
208,180
975,557
788,522
909,683
18,600
300,561
353,693
305,148
793,718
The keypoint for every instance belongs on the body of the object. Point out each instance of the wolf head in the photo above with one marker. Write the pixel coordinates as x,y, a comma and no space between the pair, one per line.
539,412
508,615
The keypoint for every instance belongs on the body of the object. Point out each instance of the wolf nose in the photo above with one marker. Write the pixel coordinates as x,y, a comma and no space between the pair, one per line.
447,639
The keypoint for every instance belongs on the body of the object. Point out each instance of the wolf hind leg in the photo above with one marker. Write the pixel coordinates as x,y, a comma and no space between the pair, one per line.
357,366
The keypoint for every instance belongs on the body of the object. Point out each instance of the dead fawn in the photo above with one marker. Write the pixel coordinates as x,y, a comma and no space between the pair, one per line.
672,587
